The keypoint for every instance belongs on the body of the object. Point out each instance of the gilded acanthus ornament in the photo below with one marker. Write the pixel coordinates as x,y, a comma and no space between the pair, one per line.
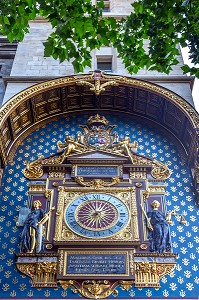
97,183
47,268
34,169
160,171
28,269
58,159
95,289
97,87
148,274
43,274
146,267
126,285
145,195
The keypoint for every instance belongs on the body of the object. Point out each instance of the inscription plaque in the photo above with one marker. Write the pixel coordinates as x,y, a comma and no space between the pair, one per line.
114,263
108,171
96,263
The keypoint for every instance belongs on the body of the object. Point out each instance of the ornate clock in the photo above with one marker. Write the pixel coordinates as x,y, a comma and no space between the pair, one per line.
98,231
97,215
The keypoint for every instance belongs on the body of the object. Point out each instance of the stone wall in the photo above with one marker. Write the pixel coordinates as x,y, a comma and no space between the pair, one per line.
5,69
30,61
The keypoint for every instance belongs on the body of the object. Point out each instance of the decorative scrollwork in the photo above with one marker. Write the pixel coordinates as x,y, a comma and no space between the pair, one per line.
126,285
146,267
149,273
98,87
34,169
46,267
95,289
28,269
48,194
97,183
43,274
56,175
145,195
58,159
160,171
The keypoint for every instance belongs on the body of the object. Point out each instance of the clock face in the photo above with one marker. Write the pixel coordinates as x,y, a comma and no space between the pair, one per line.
97,215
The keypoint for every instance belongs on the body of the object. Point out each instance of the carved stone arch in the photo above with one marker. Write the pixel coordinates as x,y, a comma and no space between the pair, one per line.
41,103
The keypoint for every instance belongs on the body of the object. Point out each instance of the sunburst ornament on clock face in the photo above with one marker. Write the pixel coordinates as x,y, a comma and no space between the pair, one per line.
97,215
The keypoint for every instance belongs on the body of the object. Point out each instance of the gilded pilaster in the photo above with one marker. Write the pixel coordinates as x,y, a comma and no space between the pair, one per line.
59,214
134,215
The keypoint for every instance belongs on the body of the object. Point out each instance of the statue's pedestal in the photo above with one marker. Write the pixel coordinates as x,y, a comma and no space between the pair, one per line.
41,268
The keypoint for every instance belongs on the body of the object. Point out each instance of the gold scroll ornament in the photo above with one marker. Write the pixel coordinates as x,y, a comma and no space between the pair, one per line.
43,274
34,169
95,289
148,274
160,171
97,183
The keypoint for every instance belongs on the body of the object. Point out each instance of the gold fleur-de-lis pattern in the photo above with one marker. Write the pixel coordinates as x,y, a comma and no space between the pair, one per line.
183,282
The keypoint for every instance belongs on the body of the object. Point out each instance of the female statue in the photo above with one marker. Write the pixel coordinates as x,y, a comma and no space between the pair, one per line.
31,238
158,229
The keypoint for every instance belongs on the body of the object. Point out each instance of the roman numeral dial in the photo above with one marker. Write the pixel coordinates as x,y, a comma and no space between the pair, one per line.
97,215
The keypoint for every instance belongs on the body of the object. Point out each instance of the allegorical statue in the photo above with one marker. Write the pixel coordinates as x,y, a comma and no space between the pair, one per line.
126,147
158,227
70,146
32,237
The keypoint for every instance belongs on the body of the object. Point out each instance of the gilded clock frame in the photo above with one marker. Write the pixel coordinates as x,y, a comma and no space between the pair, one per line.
127,235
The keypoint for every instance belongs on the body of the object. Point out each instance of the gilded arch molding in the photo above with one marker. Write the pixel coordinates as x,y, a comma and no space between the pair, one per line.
49,100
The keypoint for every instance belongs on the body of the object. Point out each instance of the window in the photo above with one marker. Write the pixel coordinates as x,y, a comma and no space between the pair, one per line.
104,64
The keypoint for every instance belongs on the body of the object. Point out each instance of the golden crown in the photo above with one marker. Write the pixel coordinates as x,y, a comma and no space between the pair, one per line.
97,119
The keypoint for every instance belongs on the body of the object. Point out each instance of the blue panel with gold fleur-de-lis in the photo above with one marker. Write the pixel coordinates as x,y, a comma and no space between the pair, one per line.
183,282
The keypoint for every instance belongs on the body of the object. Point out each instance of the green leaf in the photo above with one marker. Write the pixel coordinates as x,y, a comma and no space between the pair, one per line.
79,28
100,4
77,67
6,20
185,69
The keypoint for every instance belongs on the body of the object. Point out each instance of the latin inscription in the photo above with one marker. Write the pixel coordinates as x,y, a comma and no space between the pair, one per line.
97,171
96,264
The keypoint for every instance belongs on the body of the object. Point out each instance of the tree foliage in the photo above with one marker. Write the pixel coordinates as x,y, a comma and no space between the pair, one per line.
147,38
